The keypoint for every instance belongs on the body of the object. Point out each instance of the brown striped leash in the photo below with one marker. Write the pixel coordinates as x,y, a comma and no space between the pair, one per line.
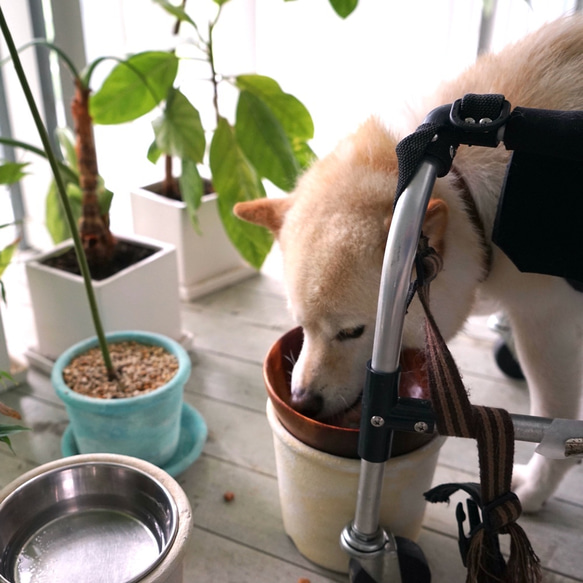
494,432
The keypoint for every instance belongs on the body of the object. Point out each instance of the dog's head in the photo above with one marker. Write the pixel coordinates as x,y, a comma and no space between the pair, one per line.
332,231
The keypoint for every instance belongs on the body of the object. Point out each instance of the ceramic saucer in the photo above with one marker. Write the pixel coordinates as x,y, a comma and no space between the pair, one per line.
193,434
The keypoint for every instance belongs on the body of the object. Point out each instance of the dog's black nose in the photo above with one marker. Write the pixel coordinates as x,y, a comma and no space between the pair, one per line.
307,402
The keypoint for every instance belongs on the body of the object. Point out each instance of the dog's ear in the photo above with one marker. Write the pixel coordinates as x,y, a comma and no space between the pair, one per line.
266,212
435,223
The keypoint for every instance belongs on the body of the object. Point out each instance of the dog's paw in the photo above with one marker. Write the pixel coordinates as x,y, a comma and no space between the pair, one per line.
529,492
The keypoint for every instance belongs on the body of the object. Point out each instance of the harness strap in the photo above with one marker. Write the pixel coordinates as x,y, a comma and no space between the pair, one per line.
476,220
494,432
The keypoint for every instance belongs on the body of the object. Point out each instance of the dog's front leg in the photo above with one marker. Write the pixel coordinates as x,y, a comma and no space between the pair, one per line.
548,343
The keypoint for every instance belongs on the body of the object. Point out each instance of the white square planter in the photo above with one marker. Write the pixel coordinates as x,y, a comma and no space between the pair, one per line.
206,262
143,296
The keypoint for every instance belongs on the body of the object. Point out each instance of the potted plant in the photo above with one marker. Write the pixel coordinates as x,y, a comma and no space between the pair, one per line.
268,140
111,421
122,268
324,455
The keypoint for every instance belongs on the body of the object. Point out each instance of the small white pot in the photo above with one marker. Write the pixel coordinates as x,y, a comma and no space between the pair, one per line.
207,261
142,297
318,494
92,516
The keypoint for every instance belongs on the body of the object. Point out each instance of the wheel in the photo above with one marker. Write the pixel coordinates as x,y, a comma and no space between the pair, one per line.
506,361
412,565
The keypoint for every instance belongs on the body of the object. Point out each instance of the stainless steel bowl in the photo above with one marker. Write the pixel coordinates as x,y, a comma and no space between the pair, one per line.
86,522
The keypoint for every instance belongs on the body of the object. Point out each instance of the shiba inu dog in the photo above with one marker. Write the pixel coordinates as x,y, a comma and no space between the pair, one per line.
333,228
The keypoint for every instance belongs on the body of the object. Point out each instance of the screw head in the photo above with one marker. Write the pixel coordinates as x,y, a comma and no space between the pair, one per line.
377,421
421,427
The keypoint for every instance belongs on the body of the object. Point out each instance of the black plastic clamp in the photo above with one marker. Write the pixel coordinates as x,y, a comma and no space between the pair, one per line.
384,412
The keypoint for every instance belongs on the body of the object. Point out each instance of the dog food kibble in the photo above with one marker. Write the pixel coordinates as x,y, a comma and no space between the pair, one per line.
303,580
228,496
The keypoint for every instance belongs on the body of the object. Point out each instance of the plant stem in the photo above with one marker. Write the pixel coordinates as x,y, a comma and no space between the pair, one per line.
98,242
62,193
211,59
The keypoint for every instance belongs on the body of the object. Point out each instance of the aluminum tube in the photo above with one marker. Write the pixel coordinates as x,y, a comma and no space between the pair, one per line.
368,500
395,279
530,428
398,262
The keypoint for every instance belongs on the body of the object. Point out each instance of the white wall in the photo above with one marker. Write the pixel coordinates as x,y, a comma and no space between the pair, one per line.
384,54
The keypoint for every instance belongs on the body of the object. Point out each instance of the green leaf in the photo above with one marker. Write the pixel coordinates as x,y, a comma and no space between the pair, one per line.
54,215
10,429
179,131
11,172
344,7
191,189
67,142
104,196
264,142
7,442
235,180
6,256
291,113
5,376
134,87
220,2
154,152
175,11
6,430
303,153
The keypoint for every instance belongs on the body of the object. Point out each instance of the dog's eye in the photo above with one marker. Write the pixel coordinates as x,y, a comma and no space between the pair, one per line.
350,333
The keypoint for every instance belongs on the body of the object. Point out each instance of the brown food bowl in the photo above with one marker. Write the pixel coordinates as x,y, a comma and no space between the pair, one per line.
340,441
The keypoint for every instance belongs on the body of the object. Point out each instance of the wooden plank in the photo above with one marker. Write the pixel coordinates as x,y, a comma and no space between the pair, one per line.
248,303
252,519
224,378
222,333
237,435
218,559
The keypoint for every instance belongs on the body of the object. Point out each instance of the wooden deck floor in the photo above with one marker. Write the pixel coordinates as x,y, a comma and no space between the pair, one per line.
244,541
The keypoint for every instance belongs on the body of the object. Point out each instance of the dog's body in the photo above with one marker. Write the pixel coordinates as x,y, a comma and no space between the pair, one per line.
332,231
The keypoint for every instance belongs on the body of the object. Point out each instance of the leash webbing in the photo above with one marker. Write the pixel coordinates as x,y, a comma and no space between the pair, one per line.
494,432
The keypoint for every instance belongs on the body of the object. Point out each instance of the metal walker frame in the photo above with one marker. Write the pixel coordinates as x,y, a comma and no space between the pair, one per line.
377,555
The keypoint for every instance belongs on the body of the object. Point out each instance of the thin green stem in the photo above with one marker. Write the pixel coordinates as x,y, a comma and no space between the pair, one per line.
211,58
45,43
39,152
62,193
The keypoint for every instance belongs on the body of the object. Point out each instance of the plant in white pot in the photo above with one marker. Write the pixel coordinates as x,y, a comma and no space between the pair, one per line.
145,416
267,140
122,267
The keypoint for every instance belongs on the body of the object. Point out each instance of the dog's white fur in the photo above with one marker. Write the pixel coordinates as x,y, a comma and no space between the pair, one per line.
332,231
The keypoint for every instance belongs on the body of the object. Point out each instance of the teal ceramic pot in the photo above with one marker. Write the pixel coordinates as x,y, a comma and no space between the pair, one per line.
146,426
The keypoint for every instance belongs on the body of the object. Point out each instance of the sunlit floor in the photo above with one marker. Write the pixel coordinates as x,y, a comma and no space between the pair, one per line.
244,540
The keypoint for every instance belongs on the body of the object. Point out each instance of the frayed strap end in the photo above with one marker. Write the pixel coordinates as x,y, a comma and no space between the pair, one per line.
523,565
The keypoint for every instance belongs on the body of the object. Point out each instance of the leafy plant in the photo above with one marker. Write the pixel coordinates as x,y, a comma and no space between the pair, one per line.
7,430
268,139
88,185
